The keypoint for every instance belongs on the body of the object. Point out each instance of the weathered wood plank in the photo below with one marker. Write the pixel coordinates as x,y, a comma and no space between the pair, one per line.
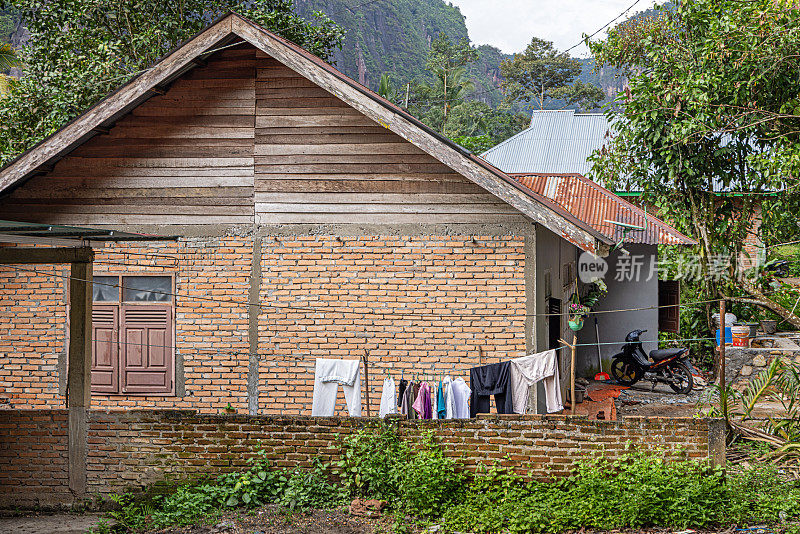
322,101
121,220
97,189
277,207
376,131
388,218
346,158
136,150
151,174
123,209
480,201
314,121
113,202
387,176
407,185
324,138
352,168
188,121
212,180
76,162
340,148
167,131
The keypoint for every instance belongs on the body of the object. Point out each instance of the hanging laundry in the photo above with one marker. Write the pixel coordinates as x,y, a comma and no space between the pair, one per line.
422,404
460,393
488,380
529,370
441,403
434,402
401,391
327,377
388,398
406,401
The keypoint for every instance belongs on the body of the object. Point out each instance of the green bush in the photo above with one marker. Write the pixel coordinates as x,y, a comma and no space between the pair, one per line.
430,482
372,463
311,489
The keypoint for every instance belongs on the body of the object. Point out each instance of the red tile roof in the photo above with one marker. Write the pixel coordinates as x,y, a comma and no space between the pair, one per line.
600,208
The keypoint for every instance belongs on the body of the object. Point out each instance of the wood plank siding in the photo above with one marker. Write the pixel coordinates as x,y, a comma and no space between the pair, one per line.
317,160
242,140
184,157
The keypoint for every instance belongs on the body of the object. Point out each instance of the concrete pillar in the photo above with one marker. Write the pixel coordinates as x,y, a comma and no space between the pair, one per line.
79,371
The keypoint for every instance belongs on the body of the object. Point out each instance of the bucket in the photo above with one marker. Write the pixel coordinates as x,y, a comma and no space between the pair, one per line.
769,326
741,335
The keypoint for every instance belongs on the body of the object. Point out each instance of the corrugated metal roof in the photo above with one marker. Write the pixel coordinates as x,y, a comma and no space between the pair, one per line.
601,209
556,142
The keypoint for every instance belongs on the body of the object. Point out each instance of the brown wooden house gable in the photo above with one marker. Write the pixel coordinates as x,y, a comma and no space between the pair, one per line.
261,133
179,158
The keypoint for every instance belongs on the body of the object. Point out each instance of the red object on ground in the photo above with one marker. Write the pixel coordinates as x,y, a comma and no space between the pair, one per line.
602,376
599,398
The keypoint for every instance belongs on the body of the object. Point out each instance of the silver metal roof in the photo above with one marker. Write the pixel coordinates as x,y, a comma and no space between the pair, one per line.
556,142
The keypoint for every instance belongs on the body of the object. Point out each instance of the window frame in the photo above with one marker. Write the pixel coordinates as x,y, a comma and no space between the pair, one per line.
120,306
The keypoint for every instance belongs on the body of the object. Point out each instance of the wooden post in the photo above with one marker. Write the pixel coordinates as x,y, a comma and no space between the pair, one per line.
574,348
366,380
723,397
79,372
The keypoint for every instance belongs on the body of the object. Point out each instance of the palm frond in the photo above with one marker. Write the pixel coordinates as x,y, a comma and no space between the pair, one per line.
8,57
760,387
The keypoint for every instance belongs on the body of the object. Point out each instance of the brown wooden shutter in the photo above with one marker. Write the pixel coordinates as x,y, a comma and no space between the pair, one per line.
669,295
105,349
147,341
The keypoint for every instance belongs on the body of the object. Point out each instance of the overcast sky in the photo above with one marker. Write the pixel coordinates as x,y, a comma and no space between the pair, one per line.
510,24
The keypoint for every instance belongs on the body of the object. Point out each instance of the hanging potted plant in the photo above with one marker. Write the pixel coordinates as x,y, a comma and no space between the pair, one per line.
577,312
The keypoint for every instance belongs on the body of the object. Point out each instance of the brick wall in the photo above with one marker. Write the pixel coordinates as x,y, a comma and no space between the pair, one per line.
33,458
212,345
353,281
131,450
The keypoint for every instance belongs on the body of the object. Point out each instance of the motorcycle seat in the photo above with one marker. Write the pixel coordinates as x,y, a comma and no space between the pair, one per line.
662,354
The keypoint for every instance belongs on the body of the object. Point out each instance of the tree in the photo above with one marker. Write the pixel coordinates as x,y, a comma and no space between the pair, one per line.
712,105
447,62
80,50
542,73
385,87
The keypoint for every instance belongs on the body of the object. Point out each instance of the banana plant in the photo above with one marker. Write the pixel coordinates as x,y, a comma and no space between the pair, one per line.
8,57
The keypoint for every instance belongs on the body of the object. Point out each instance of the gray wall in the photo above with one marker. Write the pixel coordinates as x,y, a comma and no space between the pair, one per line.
613,327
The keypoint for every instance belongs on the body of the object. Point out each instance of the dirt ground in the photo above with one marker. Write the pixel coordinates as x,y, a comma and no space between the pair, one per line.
274,520
641,399
50,523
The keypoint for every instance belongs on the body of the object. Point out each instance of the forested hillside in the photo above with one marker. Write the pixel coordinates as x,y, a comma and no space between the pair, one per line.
393,36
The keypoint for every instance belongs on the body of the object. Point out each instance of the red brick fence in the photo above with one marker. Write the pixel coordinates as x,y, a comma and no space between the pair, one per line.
132,450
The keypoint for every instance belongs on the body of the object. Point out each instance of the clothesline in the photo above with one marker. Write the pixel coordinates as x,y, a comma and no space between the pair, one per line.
509,382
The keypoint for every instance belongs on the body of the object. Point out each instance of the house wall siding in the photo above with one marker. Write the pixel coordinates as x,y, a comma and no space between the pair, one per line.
133,450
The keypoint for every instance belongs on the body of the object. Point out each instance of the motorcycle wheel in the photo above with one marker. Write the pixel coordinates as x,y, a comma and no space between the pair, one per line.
625,373
683,377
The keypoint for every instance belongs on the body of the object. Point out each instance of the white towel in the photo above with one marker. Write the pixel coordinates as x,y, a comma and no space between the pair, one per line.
527,371
388,398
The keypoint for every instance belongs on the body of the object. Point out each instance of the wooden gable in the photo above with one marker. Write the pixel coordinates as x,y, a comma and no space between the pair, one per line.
263,133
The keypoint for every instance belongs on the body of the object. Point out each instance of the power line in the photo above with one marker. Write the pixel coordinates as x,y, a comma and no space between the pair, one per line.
606,25
369,311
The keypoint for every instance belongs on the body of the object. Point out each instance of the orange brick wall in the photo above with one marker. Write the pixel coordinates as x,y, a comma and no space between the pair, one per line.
211,337
353,282
350,281
132,450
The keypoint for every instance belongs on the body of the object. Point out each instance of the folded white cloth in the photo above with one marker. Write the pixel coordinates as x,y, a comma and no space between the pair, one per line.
327,377
527,371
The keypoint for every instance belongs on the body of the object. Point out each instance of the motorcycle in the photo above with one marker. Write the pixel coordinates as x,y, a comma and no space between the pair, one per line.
668,366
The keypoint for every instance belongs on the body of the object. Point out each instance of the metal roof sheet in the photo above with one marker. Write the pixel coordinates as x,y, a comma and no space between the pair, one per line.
601,209
555,142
